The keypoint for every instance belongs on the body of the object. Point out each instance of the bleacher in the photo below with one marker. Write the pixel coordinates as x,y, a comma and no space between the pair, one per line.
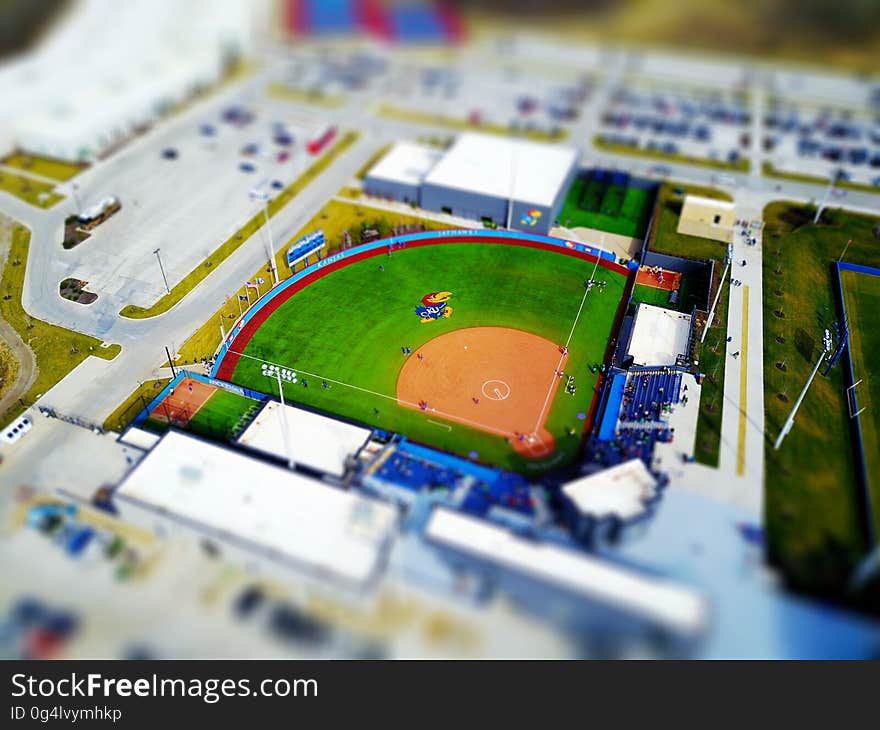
473,488
640,420
649,394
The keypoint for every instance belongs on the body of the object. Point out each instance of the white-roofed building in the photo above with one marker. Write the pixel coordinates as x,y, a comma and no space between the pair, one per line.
622,592
484,177
318,442
491,177
399,174
256,511
107,68
621,492
659,336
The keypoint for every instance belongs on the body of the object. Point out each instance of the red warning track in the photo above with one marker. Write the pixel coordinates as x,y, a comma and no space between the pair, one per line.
280,295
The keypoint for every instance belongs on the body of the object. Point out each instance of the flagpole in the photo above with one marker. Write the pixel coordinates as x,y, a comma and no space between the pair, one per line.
238,299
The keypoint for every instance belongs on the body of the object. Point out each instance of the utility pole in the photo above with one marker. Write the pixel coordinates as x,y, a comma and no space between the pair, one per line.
162,269
835,176
789,422
717,294
170,362
263,196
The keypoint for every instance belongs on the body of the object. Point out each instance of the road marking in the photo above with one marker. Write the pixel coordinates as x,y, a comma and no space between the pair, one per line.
743,382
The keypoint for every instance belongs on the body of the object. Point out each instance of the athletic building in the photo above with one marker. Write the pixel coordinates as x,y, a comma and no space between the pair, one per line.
707,218
488,178
399,174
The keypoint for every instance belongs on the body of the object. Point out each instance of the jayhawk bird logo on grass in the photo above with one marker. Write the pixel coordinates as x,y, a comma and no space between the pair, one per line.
435,306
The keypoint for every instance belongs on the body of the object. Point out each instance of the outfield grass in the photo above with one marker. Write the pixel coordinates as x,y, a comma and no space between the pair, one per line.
59,170
334,219
741,165
650,295
228,247
221,415
350,326
667,239
605,207
421,117
57,350
811,503
29,189
861,294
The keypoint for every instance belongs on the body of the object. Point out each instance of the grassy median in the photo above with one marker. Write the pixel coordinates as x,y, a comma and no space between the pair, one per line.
740,165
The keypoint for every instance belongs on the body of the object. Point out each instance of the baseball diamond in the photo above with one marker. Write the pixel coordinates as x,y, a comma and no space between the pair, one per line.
405,339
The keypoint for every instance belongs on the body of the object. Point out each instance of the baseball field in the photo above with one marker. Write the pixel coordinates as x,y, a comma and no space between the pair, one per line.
488,350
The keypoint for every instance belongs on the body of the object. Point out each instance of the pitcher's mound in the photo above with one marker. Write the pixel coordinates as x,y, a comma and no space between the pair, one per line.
495,379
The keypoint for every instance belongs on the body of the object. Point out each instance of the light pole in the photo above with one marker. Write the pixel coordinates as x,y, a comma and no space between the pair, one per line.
717,294
263,196
789,422
76,199
162,269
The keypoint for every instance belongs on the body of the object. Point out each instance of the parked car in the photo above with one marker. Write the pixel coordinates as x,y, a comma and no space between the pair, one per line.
169,153
246,167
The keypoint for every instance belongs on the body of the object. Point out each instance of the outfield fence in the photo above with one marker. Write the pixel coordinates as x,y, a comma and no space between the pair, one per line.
869,526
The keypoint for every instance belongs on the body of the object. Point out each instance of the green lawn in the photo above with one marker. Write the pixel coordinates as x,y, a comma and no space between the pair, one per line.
620,209
350,325
29,189
770,171
811,506
861,293
667,239
131,407
650,295
57,350
44,166
222,415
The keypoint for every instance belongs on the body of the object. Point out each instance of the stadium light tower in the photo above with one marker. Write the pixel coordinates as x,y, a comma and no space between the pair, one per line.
285,434
262,195
718,293
789,422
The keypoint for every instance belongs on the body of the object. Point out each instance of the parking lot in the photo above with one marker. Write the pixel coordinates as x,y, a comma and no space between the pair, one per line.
822,140
701,123
185,189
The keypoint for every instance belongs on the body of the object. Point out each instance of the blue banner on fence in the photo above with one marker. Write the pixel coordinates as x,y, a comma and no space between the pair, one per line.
305,247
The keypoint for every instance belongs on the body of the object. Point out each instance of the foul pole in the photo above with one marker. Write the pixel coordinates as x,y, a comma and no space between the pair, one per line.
789,422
